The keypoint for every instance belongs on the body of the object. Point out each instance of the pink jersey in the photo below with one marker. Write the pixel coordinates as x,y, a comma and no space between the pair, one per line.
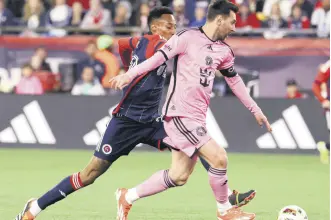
197,58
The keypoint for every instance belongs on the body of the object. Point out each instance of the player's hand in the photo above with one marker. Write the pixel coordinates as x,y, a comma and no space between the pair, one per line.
326,104
261,119
120,81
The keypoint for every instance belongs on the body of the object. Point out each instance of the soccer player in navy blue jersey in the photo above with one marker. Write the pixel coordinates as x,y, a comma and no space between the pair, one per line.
135,120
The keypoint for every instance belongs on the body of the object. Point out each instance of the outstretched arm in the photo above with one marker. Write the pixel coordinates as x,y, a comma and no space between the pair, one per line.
239,89
175,46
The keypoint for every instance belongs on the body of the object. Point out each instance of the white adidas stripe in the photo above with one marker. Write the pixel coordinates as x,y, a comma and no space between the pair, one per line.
289,133
283,135
299,128
39,123
8,136
23,130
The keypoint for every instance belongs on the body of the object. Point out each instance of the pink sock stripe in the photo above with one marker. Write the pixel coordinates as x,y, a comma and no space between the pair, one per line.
219,172
167,179
75,181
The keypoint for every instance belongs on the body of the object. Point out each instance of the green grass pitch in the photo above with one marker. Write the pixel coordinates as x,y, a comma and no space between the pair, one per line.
279,180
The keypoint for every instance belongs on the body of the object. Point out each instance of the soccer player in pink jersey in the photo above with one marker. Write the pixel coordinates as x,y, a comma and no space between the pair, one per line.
198,53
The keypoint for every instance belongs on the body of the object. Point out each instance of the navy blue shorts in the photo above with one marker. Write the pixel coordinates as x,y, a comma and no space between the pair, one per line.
123,134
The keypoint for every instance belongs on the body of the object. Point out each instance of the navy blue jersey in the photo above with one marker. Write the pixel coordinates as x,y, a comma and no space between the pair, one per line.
141,98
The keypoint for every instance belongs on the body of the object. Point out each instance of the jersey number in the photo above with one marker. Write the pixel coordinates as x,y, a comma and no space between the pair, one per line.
204,77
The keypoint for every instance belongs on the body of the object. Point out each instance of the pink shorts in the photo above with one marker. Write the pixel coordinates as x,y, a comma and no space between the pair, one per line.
185,134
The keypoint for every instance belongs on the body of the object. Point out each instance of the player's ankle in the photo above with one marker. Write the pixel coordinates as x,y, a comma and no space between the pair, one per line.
34,209
131,196
223,207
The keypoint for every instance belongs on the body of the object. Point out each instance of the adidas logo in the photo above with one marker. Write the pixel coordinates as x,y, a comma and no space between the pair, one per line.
289,132
31,127
93,137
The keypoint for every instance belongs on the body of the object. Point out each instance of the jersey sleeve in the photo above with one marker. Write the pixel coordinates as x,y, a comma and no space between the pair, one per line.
125,47
153,47
176,45
321,77
159,44
228,61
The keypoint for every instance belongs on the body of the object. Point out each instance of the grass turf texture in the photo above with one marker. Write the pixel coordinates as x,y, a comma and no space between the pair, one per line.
279,180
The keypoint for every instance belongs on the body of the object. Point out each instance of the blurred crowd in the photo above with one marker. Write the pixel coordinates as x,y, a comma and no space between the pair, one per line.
87,76
115,16
90,75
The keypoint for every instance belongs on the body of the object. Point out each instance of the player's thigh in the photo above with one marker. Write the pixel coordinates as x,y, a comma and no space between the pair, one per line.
120,137
93,170
181,167
214,154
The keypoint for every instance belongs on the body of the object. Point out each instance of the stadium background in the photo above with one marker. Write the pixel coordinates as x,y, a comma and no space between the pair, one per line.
48,134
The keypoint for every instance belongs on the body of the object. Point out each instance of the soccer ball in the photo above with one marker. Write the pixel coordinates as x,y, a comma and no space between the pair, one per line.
292,212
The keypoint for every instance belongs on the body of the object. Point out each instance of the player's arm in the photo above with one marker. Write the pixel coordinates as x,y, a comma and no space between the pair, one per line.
320,78
175,45
238,87
125,48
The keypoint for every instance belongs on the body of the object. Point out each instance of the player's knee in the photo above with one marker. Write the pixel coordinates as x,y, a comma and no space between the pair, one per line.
94,169
88,176
179,179
219,161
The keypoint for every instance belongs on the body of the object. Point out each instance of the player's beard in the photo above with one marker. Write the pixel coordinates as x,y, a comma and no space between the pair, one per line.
222,37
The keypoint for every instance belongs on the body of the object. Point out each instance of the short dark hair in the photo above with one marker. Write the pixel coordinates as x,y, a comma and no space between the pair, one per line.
291,82
220,7
157,12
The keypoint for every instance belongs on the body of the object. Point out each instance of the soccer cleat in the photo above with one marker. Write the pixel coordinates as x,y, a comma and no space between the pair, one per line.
324,153
235,214
25,214
123,207
238,199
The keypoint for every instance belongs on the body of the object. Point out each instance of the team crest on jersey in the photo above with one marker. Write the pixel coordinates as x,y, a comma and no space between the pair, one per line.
209,61
201,131
107,149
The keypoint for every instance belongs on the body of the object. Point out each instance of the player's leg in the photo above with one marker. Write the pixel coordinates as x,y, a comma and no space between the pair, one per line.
324,147
216,156
324,150
68,185
178,174
110,148
236,198
181,168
